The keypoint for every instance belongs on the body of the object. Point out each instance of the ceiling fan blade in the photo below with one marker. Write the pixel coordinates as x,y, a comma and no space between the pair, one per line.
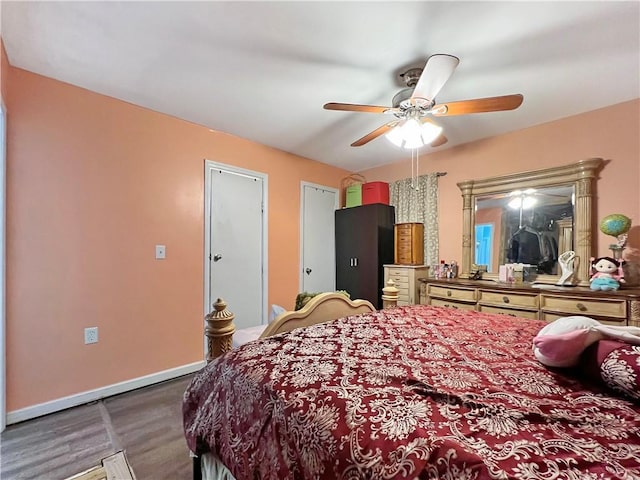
351,107
479,105
435,74
375,134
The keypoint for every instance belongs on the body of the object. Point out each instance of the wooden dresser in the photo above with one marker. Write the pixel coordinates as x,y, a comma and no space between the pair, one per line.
547,303
409,244
406,281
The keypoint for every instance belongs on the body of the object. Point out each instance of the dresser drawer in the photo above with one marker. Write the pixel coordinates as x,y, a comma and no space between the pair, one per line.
462,294
531,315
404,227
404,248
438,302
584,306
403,294
404,239
551,316
407,258
401,282
398,272
509,299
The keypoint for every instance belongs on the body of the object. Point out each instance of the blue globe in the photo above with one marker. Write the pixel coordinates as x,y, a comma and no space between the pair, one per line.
615,224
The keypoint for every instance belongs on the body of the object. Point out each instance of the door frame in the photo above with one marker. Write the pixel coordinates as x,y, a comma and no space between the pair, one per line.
210,165
3,263
336,193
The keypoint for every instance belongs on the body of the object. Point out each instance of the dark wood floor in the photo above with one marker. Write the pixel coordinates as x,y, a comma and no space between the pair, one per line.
146,423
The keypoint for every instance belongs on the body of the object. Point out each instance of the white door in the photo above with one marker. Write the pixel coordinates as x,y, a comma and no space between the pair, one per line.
235,257
318,243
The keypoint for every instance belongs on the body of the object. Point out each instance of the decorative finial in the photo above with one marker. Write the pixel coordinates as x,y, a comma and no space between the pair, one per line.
390,294
219,330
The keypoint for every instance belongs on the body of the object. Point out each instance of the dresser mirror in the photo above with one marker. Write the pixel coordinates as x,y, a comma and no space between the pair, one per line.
530,217
531,226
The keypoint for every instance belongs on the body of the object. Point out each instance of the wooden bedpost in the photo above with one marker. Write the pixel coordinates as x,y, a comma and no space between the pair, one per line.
390,295
219,330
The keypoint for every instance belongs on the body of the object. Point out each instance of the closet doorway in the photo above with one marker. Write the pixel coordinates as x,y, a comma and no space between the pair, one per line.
317,237
236,242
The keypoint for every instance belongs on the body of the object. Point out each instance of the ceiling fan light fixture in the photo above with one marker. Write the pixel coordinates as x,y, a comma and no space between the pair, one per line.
523,201
412,133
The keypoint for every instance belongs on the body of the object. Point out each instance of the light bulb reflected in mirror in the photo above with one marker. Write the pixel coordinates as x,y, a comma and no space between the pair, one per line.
523,201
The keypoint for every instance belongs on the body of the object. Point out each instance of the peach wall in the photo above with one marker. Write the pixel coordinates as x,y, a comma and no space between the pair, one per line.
611,133
93,184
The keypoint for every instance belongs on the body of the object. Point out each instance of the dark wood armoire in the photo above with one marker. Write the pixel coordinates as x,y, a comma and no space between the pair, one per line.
364,243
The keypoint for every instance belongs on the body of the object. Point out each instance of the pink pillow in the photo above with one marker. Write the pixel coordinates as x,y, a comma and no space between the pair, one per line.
562,350
614,364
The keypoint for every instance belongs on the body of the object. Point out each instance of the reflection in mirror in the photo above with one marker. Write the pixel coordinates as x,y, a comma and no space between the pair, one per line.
531,226
574,230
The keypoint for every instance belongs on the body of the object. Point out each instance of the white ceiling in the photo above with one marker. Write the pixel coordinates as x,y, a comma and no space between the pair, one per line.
263,70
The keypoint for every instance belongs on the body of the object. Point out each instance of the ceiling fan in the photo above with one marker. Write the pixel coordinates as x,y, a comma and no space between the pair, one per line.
413,106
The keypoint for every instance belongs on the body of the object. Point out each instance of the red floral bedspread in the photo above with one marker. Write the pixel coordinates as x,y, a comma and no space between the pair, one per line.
412,392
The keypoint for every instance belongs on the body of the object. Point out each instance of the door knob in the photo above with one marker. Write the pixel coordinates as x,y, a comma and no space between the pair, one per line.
308,270
217,257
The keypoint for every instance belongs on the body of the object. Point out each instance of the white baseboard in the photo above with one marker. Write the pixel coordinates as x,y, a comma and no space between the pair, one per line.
92,395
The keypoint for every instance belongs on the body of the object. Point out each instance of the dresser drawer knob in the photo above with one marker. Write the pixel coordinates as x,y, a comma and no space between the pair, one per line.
505,299
581,307
448,293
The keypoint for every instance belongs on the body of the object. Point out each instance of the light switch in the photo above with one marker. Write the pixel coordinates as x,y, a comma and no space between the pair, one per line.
161,252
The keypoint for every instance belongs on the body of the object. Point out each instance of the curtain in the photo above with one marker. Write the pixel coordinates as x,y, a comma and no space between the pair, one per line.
419,204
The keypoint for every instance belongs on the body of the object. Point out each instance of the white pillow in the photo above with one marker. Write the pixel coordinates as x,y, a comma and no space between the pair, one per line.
275,311
244,335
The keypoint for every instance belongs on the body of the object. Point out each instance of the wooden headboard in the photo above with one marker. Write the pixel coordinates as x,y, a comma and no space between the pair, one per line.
324,307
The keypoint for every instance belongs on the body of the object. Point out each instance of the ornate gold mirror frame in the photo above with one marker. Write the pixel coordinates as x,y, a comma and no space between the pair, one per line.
581,175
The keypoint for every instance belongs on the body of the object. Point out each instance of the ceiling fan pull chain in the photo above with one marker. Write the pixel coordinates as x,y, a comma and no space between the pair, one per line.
413,175
417,187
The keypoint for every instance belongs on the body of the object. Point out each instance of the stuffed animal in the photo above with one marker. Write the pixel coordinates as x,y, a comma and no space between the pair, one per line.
607,274
561,342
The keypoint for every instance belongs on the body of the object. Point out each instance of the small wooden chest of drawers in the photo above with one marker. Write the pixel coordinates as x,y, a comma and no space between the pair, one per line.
409,244
405,278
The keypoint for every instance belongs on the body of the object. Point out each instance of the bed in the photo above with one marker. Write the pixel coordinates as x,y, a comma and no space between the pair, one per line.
407,392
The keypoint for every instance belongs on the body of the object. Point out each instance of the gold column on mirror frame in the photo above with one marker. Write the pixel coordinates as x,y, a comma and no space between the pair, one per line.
582,223
390,295
467,219
219,330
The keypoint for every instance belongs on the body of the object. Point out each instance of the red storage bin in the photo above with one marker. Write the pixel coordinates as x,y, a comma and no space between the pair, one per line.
375,192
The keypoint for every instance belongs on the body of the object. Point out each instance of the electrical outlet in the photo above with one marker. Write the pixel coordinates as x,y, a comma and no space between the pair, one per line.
90,335
161,252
